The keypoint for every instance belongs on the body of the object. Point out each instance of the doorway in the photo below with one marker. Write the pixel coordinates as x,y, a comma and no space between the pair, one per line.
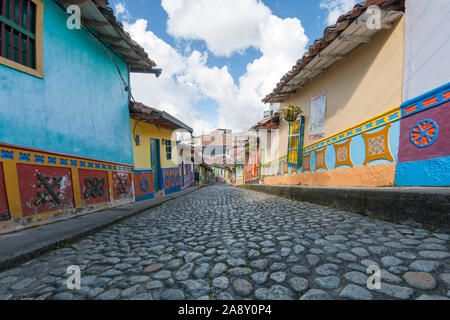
155,161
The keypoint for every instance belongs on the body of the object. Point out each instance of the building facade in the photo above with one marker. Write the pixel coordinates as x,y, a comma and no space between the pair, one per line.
363,123
65,142
159,169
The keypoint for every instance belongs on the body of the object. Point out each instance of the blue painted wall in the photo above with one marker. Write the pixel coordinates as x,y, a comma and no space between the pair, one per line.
79,108
431,172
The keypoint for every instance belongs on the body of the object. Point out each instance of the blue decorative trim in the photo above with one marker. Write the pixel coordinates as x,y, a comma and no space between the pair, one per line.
173,190
381,121
438,93
73,163
24,157
146,197
82,164
90,165
63,162
39,159
7,154
51,160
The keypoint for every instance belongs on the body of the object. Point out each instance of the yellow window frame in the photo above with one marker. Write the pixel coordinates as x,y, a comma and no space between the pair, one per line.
39,70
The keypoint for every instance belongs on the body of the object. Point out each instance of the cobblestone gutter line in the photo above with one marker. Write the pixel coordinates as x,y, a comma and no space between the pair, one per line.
416,207
19,247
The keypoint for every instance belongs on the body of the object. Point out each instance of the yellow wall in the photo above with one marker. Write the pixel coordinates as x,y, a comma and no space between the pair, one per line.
365,84
142,152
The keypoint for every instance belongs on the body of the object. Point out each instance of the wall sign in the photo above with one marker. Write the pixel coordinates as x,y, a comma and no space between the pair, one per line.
317,121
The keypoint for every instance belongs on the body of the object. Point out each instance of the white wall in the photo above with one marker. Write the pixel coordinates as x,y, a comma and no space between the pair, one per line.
427,46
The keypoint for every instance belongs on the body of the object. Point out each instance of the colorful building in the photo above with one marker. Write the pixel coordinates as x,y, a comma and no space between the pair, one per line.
159,169
356,128
65,134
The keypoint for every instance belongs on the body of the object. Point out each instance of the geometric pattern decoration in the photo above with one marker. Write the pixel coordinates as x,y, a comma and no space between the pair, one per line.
286,168
143,184
343,154
377,145
426,101
424,133
44,189
368,125
320,159
122,185
307,162
94,186
172,179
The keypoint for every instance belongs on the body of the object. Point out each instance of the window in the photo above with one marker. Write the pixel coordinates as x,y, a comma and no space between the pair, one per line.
168,149
295,142
21,35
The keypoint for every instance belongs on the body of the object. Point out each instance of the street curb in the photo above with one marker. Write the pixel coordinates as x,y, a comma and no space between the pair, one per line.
418,207
16,257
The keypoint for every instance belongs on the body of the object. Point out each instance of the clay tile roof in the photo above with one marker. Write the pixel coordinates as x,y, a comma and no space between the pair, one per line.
140,111
330,34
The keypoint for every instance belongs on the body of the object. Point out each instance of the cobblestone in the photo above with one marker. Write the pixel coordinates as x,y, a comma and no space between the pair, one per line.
227,243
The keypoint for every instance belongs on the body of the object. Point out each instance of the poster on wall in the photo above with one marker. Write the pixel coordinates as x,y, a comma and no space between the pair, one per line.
317,122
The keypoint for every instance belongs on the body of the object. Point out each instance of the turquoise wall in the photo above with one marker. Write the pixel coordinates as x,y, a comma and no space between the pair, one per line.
79,108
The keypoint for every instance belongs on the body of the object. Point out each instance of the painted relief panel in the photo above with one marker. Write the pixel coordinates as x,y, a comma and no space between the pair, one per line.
425,135
122,185
343,154
4,210
377,145
94,186
321,159
307,162
44,189
143,184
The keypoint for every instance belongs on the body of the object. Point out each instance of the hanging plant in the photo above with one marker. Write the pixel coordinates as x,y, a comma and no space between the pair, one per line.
291,112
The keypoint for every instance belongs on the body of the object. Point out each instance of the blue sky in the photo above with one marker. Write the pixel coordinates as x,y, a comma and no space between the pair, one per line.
218,56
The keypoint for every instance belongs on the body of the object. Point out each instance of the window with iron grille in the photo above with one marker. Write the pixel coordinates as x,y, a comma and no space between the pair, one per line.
21,35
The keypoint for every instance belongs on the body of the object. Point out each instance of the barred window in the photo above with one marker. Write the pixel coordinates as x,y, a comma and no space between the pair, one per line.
21,35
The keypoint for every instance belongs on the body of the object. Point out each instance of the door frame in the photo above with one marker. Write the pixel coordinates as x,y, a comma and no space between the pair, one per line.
156,175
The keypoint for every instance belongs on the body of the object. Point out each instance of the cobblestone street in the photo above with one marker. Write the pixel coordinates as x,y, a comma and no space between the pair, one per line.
223,243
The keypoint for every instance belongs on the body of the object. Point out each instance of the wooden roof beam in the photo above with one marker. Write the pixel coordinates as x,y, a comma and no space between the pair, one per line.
95,23
354,38
108,38
75,2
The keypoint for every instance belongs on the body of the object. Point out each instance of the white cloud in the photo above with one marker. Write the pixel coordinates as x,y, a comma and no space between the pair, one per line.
121,12
336,8
226,28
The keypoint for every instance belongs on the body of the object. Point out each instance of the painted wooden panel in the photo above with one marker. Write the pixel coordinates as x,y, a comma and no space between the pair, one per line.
143,185
94,186
425,135
122,185
4,209
44,189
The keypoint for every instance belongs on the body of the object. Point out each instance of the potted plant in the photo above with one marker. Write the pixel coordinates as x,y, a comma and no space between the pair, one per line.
291,112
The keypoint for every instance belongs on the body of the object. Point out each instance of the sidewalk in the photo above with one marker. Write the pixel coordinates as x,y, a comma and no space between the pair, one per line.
21,246
426,207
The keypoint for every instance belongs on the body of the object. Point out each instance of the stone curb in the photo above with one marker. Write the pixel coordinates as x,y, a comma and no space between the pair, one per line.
22,246
418,207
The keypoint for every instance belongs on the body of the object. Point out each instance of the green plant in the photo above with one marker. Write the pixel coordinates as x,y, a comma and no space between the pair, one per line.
291,112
